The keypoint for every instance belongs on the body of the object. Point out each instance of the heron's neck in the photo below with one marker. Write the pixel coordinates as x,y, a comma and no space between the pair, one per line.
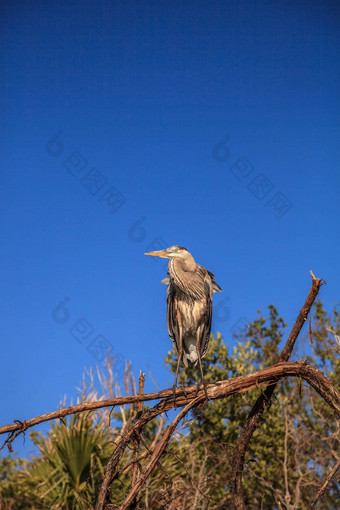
188,265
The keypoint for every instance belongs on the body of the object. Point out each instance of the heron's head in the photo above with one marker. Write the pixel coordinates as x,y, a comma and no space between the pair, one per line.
169,253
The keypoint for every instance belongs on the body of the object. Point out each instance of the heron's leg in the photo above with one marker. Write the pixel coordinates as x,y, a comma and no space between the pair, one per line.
180,353
198,349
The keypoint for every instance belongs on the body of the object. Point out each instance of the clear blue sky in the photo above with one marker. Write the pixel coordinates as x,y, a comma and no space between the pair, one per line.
213,124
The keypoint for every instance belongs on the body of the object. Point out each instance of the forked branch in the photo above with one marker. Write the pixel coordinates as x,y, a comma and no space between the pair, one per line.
219,390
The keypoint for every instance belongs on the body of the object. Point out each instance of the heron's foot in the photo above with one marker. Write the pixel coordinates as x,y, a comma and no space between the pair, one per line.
184,391
205,384
174,388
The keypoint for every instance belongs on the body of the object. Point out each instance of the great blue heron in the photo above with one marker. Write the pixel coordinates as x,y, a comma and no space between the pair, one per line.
189,300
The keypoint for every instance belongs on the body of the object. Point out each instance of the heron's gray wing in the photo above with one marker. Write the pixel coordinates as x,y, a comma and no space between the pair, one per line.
172,320
215,285
206,325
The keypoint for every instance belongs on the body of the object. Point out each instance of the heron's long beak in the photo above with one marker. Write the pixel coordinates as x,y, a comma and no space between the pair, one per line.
160,253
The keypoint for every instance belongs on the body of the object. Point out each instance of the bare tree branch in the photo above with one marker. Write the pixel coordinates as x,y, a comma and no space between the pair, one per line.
156,454
262,402
137,438
324,486
216,390
285,461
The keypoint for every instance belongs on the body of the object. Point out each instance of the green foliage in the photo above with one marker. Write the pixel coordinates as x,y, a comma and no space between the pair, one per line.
13,493
70,461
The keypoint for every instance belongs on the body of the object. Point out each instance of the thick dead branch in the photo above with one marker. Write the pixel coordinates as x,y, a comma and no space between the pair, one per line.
217,390
262,402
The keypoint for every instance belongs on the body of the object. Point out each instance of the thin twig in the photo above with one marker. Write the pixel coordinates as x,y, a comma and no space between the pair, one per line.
285,460
323,488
